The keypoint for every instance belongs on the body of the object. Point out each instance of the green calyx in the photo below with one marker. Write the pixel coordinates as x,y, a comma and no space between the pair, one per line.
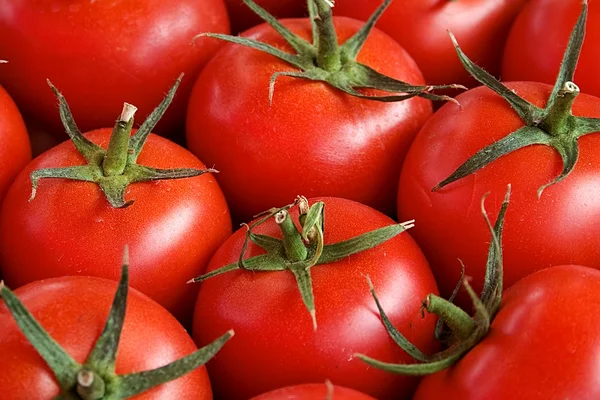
96,378
553,126
456,328
300,250
114,169
327,61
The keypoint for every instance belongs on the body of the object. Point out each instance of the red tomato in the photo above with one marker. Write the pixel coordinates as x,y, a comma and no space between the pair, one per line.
73,310
15,151
543,344
101,53
562,227
533,52
172,229
242,17
313,139
275,344
421,27
312,391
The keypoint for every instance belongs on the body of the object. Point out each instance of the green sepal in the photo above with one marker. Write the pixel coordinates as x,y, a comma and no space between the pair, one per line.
264,262
302,275
337,251
103,357
554,125
63,366
133,384
114,169
394,333
523,137
315,215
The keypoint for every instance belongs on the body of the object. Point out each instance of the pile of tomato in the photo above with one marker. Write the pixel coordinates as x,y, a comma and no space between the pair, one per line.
416,186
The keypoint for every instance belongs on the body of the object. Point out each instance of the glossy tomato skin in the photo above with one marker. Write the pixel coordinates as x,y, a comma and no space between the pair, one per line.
242,17
172,229
275,343
561,227
73,310
542,345
313,139
15,151
102,53
312,391
534,51
481,28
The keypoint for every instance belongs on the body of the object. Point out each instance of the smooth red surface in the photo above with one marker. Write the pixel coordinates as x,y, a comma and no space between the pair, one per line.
102,53
275,344
15,151
73,310
312,391
242,17
539,37
314,139
172,229
421,26
562,227
542,345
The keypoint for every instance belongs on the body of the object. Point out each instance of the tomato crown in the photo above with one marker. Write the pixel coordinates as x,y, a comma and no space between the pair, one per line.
96,378
455,327
115,168
554,126
300,250
325,60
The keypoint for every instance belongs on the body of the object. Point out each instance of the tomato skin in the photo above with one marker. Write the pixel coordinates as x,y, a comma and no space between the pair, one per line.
313,139
312,391
543,344
172,229
534,51
421,28
242,17
15,151
561,227
275,345
73,310
100,54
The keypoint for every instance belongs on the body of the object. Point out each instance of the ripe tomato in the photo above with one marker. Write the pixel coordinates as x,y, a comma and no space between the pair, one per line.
533,52
275,344
313,139
73,310
421,28
102,53
312,391
543,344
172,229
561,227
15,151
242,17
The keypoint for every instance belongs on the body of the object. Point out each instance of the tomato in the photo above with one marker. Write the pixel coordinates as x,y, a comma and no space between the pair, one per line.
172,229
275,343
15,151
561,227
542,344
534,52
102,53
311,391
421,28
73,310
313,139
242,17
